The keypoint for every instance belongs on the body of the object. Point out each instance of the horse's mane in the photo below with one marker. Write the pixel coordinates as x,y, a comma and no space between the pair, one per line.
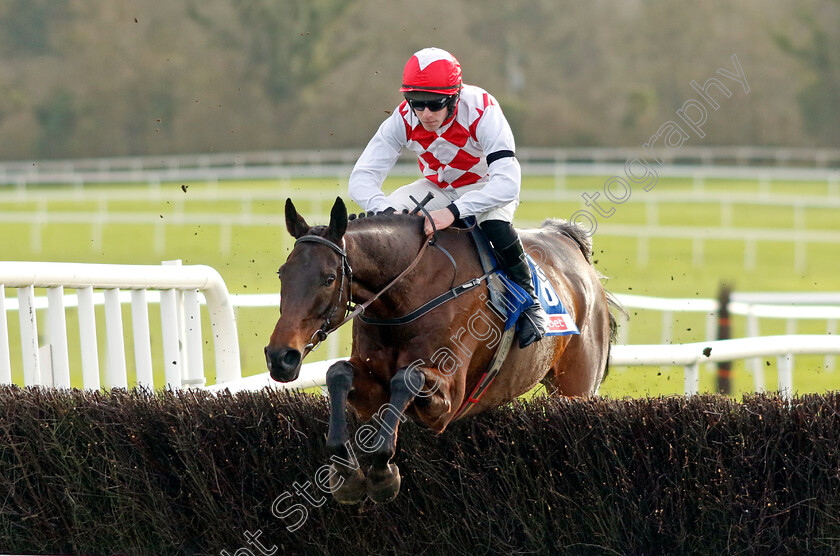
381,219
569,229
366,220
573,231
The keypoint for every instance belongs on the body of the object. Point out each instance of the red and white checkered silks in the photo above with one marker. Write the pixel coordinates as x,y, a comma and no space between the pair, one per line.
453,157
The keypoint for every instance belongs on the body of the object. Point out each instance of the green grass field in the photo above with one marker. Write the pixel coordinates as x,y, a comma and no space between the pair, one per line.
155,224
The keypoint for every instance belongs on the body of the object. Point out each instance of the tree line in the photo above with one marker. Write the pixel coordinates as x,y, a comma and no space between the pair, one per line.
102,78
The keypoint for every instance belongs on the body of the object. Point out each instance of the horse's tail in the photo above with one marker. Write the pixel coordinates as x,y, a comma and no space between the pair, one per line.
584,243
614,305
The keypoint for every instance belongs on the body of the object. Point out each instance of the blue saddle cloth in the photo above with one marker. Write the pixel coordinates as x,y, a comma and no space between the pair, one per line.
510,300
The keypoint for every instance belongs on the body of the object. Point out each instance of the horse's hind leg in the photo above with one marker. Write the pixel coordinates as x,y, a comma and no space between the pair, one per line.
578,371
383,476
347,481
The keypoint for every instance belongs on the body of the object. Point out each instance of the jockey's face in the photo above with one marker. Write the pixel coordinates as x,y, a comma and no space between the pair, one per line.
431,109
431,121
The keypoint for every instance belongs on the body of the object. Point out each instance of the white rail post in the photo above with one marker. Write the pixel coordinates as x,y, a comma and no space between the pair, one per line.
750,249
785,365
560,172
87,338
754,363
5,358
115,369
642,251
97,231
225,240
25,276
711,334
57,327
697,182
223,321
99,223
652,213
29,336
169,329
800,256
45,358
691,379
195,357
697,251
142,341
790,329
667,327
182,327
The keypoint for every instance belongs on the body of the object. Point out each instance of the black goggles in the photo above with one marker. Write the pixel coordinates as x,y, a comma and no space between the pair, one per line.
434,105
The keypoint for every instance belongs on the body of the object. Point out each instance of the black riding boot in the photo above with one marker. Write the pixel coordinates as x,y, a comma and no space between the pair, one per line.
511,256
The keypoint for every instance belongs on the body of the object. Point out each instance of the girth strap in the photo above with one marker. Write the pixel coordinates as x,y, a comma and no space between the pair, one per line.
490,375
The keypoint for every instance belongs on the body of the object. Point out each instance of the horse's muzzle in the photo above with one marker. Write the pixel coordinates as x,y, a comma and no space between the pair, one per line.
283,364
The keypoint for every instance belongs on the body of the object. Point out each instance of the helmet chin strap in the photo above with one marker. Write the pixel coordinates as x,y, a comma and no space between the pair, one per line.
453,105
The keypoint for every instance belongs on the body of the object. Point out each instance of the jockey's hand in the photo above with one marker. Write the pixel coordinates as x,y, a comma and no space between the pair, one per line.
443,218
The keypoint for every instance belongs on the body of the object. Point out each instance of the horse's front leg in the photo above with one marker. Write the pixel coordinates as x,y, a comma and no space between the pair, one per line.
384,476
347,481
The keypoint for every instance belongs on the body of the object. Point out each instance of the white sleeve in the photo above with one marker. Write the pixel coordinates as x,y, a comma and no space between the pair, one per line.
504,174
380,155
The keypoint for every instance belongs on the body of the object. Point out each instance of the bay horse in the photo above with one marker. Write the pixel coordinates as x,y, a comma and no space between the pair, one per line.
427,367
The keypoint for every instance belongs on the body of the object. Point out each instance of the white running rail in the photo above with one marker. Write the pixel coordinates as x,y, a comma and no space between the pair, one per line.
688,356
179,290
691,355
182,340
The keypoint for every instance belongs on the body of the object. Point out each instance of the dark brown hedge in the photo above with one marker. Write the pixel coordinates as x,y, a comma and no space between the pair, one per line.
196,473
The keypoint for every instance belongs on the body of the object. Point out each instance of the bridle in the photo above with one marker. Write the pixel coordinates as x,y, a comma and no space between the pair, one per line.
350,311
346,276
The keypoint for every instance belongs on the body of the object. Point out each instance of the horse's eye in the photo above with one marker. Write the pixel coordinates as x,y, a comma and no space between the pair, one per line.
329,280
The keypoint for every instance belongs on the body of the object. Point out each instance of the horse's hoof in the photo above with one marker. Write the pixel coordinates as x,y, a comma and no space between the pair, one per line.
383,486
352,490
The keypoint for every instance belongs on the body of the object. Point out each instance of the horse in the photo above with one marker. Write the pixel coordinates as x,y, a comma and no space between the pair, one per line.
426,368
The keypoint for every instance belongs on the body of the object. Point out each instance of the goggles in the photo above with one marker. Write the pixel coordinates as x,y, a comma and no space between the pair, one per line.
434,105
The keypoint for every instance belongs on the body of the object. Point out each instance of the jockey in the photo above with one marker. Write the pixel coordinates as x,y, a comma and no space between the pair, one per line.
465,150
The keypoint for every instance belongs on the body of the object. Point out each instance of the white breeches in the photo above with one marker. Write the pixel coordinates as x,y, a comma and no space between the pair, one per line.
400,200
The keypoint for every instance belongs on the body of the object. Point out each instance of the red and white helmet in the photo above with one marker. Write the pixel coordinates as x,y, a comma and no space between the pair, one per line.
432,70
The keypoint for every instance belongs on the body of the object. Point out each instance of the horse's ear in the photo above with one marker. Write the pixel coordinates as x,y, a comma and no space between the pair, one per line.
295,223
338,220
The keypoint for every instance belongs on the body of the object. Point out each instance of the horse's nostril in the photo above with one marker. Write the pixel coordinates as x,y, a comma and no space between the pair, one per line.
291,359
283,364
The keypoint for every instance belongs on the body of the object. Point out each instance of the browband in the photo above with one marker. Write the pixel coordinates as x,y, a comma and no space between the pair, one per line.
323,241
